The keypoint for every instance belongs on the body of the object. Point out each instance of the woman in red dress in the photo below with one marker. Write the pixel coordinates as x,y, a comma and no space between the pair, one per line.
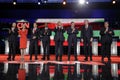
23,40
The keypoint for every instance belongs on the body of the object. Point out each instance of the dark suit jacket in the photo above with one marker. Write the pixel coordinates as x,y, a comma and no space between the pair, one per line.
106,37
12,37
59,34
37,33
72,35
86,34
46,37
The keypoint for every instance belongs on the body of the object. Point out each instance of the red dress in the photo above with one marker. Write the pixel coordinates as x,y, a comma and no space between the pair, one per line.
23,38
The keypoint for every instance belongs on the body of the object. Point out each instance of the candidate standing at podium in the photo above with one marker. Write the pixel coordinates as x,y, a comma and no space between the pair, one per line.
72,40
86,38
59,38
12,39
23,40
106,40
46,32
34,37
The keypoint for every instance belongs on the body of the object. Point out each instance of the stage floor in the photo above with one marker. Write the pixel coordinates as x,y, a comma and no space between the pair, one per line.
3,58
59,70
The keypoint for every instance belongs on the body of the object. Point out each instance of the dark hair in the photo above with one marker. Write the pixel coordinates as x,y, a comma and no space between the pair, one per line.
106,22
72,22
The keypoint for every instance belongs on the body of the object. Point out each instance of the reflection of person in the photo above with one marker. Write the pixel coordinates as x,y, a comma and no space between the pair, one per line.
87,74
86,38
106,40
72,40
12,39
58,75
11,72
46,41
23,40
33,47
59,38
106,72
70,75
45,74
32,74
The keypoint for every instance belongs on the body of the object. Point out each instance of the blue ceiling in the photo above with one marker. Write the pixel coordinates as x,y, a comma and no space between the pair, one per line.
50,1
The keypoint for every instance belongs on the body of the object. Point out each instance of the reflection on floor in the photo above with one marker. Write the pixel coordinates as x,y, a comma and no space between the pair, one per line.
3,58
55,70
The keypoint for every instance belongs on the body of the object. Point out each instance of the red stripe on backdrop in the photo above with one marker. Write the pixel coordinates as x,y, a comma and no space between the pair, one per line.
96,26
65,43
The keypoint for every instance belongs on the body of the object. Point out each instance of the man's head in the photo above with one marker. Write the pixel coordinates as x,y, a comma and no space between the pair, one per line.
106,24
14,24
59,23
72,24
35,25
46,24
86,22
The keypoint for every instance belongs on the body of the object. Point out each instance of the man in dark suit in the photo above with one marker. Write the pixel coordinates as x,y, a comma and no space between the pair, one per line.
106,40
72,40
33,48
59,38
86,38
46,41
12,39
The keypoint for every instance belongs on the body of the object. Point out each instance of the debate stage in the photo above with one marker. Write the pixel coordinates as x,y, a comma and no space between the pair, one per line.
3,58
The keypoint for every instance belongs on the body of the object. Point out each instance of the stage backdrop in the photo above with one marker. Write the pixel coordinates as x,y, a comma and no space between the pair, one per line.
95,23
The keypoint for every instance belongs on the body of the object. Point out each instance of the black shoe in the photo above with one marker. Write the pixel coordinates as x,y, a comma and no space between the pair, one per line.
76,59
43,58
13,59
109,59
86,59
56,58
60,58
36,58
102,59
30,58
90,59
68,58
48,57
9,59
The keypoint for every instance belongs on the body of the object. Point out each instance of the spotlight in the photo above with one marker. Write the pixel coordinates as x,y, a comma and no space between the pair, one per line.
87,2
14,2
81,1
113,1
39,3
64,2
45,1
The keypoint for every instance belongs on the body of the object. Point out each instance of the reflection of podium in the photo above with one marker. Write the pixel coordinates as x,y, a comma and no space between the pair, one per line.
95,46
21,74
114,46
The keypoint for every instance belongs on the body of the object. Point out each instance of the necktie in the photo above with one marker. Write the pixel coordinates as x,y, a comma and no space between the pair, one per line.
34,30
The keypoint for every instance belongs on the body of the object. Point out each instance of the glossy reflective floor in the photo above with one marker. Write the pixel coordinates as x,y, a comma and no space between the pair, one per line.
55,70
